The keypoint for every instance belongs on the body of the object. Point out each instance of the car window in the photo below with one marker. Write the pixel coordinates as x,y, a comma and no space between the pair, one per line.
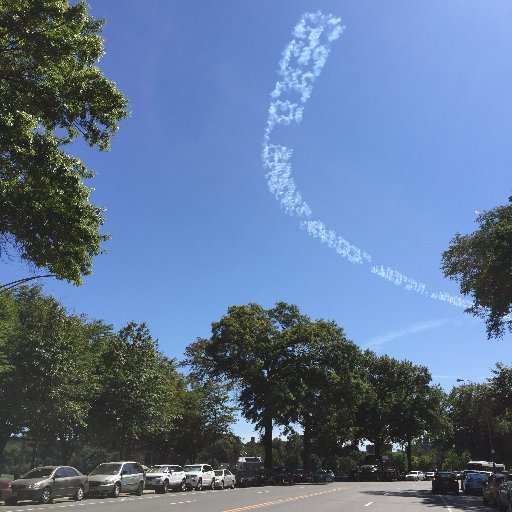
39,473
192,468
175,468
106,469
208,468
228,472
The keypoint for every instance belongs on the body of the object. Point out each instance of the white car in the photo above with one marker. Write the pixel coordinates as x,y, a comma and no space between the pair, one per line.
163,477
415,475
224,478
199,476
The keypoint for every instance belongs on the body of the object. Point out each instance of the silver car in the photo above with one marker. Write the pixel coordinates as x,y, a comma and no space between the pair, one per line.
224,478
48,482
113,478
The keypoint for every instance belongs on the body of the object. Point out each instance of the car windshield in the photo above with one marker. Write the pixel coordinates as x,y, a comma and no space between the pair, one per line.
477,476
445,474
106,469
192,468
39,473
159,469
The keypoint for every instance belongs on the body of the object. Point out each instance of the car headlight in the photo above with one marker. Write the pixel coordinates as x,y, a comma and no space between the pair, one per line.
109,480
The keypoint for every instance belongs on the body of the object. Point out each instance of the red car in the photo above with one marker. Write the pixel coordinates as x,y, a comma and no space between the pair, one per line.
5,488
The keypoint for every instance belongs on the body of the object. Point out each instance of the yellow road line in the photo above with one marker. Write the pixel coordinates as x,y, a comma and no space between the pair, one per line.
284,500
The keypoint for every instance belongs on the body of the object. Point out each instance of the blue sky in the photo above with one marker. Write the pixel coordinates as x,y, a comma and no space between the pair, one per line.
406,134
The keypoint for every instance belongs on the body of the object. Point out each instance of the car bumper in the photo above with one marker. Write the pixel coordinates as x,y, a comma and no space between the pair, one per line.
100,489
27,494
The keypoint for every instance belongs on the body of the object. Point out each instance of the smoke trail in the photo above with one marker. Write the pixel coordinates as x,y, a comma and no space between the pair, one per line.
300,65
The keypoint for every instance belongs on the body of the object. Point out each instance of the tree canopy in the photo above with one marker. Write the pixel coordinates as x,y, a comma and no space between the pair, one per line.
482,264
51,93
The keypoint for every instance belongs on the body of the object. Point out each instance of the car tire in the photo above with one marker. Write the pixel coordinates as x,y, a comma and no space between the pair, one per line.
46,496
183,486
232,486
199,486
212,485
116,490
79,495
140,489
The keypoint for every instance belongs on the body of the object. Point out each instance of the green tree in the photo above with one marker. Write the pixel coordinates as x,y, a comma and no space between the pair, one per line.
136,384
52,92
379,412
256,351
420,409
328,385
482,264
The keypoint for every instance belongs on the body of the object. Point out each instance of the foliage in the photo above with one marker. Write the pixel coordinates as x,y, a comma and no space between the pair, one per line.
482,264
254,350
52,92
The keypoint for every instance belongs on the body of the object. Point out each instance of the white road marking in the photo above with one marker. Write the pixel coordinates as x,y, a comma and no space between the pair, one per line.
445,504
368,504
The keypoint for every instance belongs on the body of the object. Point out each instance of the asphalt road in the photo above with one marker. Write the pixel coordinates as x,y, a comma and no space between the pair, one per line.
331,497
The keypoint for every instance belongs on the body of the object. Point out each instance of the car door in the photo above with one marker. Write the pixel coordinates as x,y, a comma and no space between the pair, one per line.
126,478
59,487
72,480
176,475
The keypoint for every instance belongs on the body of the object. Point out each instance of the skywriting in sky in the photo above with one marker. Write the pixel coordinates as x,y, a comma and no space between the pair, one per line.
301,64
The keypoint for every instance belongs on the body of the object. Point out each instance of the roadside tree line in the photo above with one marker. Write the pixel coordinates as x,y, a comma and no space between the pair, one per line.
80,387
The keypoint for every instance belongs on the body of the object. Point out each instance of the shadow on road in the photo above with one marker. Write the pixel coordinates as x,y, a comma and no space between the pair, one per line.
425,497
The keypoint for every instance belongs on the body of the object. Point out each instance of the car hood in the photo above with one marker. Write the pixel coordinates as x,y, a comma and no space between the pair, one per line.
28,481
98,477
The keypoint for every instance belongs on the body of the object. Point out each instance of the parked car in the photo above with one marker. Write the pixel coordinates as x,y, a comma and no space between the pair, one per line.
505,493
415,475
113,478
5,488
474,482
491,488
302,476
429,475
463,476
445,481
279,476
199,476
163,477
368,473
323,475
224,478
45,483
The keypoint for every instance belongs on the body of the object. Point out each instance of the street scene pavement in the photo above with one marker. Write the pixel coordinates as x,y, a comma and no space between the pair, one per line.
331,497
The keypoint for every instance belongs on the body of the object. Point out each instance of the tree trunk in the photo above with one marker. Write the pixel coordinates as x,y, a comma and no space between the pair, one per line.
409,454
267,440
34,453
307,445
4,438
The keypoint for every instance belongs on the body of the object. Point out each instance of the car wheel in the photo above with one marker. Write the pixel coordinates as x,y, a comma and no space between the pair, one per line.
140,489
221,486
199,486
46,496
165,487
116,490
232,486
212,485
183,486
79,495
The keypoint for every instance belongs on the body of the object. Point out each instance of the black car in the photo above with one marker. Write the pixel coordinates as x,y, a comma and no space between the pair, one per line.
445,481
323,475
